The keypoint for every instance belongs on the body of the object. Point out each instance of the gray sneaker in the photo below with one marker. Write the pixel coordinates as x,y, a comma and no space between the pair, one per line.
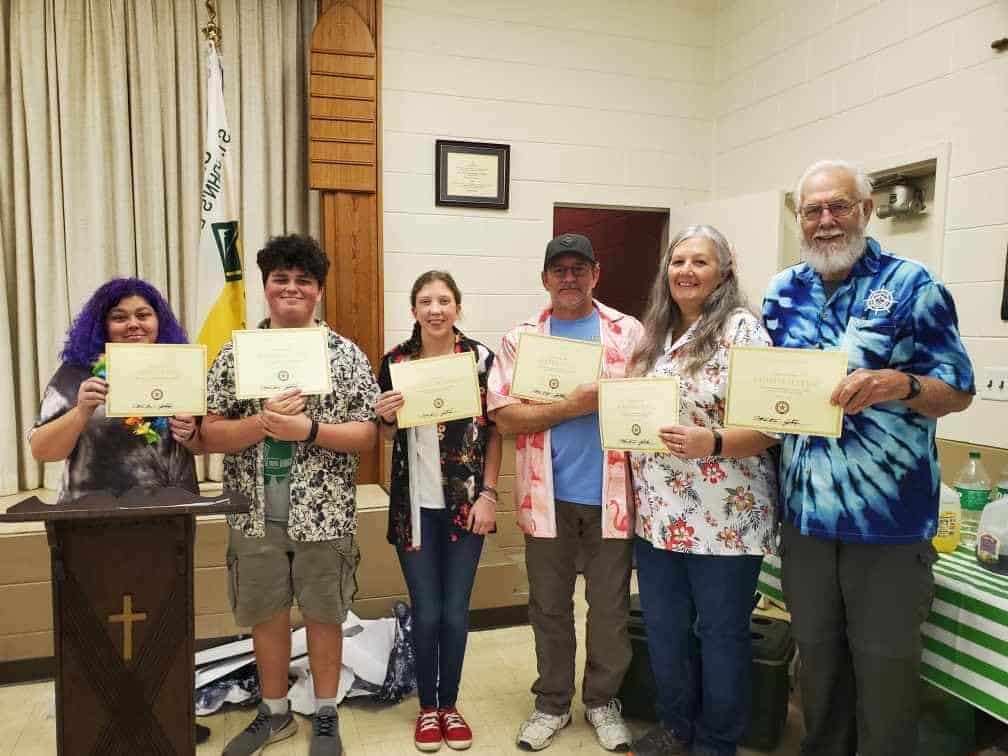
266,728
538,731
325,739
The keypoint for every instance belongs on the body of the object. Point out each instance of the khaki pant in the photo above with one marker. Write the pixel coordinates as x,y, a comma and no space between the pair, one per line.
552,570
267,574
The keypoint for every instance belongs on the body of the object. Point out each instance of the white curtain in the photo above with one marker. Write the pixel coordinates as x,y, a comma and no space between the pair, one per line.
101,141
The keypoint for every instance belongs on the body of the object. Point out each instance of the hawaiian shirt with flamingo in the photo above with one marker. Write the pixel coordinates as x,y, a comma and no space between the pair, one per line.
536,510
711,505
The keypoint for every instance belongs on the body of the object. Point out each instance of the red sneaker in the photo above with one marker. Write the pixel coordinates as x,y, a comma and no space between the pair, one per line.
454,729
427,736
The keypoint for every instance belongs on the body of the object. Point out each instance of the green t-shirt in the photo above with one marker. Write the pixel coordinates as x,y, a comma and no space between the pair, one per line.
276,479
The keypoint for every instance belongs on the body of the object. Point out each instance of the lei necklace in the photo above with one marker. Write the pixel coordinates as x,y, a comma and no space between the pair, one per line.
149,428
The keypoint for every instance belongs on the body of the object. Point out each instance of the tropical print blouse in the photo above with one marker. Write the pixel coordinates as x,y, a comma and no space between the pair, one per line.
711,505
462,444
533,458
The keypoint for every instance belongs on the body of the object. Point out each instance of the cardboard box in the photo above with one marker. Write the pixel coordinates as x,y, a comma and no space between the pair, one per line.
24,557
508,535
27,608
26,646
210,590
210,548
379,573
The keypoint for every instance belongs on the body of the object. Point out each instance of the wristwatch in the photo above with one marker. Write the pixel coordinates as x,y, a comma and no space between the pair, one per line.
313,433
718,441
915,388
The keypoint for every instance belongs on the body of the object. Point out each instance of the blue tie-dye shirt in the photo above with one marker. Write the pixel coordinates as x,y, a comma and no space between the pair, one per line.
878,482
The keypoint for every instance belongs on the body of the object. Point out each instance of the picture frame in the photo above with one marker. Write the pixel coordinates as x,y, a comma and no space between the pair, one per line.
472,174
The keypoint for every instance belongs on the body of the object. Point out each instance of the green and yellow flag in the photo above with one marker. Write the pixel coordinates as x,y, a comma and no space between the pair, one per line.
221,284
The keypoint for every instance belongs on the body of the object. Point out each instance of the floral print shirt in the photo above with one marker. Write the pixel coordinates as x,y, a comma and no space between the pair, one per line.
462,444
533,458
323,502
712,505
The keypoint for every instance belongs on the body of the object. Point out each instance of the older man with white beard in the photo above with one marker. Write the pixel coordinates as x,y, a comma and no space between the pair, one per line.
859,511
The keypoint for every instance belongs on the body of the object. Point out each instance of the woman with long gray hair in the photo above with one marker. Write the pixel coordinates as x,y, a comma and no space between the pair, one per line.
705,508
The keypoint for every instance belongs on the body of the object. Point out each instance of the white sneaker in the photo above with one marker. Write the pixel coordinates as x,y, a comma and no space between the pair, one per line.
538,730
610,728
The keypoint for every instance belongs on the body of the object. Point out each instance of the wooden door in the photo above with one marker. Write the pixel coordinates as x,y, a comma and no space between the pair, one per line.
628,245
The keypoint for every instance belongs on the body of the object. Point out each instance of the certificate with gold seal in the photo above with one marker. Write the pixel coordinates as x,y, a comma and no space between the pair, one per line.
151,380
436,389
271,360
631,410
784,390
547,368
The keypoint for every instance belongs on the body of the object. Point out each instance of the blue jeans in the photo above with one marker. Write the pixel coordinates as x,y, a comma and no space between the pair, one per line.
704,698
440,579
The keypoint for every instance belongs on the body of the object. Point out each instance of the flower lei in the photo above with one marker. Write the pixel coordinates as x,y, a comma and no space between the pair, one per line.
148,428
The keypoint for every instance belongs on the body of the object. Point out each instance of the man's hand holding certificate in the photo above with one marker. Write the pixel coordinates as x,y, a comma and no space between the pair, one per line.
271,360
632,411
436,389
150,380
784,390
548,368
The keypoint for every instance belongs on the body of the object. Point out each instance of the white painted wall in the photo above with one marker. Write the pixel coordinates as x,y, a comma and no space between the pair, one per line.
799,80
602,103
753,225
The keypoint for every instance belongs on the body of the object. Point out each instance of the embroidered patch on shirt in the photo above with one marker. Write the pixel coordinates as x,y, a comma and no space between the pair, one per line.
880,300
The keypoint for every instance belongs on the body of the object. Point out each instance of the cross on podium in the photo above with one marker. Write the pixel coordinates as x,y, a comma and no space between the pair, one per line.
127,618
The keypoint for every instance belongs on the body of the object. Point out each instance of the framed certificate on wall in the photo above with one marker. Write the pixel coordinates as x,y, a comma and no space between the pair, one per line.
471,174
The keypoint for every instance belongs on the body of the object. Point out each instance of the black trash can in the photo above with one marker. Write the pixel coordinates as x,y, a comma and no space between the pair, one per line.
638,693
772,651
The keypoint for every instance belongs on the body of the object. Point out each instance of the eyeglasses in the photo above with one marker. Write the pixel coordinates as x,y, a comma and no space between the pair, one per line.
561,271
838,209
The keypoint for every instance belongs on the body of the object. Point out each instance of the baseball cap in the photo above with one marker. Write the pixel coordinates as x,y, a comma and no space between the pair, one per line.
569,244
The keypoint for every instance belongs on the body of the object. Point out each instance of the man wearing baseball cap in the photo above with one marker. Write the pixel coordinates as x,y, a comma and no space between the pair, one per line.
571,500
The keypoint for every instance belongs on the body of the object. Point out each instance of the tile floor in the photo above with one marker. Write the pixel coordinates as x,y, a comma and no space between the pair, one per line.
499,668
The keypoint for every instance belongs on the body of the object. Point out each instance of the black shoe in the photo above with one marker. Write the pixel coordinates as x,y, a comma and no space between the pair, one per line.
659,742
202,734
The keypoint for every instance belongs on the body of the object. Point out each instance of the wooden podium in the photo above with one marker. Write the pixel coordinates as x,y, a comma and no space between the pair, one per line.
122,580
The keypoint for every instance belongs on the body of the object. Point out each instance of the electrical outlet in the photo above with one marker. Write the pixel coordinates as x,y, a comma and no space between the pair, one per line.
993,384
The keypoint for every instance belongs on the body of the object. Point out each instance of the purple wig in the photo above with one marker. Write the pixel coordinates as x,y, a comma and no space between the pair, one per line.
87,336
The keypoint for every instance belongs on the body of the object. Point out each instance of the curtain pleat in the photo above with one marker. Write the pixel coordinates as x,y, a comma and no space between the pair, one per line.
101,144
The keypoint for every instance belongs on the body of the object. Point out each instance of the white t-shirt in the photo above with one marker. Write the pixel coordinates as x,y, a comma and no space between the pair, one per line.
425,484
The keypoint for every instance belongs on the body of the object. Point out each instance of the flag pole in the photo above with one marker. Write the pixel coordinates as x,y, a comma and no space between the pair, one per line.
211,32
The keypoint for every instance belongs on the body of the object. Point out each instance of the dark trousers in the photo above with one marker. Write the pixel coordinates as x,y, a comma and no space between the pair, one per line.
552,571
856,611
703,699
440,579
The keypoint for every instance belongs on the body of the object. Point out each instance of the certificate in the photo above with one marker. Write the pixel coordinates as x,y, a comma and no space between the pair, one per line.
784,390
270,360
436,389
547,368
631,410
152,380
472,175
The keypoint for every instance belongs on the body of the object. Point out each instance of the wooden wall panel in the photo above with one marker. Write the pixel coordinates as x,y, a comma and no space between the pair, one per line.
345,166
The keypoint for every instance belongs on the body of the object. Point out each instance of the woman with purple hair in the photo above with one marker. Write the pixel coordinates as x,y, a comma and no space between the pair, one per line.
104,454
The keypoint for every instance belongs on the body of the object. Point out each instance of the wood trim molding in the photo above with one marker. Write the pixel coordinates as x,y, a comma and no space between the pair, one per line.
344,154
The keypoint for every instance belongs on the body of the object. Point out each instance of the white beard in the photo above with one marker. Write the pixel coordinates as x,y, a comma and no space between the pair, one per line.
828,256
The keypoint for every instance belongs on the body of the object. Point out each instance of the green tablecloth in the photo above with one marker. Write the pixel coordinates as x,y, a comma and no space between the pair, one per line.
966,635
